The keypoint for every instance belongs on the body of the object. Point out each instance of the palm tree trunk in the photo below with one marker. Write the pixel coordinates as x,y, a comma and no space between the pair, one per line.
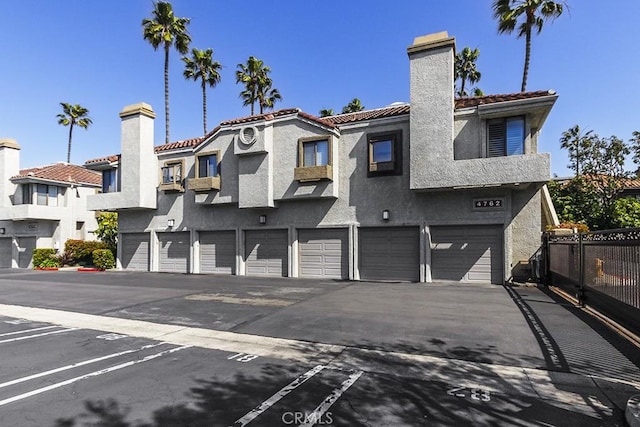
527,58
166,94
69,146
204,107
462,87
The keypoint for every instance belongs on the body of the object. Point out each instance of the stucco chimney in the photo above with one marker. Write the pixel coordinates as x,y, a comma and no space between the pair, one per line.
138,161
9,166
431,59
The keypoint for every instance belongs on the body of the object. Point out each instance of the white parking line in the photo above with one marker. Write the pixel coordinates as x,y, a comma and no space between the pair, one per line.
38,335
254,413
75,365
24,331
314,417
92,374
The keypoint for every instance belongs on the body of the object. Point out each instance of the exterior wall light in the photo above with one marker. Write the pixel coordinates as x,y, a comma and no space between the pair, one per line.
262,219
385,215
171,223
2,230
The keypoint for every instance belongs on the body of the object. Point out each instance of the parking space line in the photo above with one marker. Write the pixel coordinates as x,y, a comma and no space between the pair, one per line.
90,375
75,365
6,334
255,412
38,335
316,415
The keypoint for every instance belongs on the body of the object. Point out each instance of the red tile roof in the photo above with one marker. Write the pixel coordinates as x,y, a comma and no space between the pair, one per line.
62,172
337,120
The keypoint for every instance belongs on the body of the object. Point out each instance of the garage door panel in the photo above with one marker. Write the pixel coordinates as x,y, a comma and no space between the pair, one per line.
6,254
218,252
266,252
135,251
390,253
467,254
323,253
174,252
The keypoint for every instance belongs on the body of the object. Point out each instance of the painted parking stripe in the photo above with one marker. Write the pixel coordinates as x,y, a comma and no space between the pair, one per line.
314,417
255,412
75,365
89,375
24,331
38,335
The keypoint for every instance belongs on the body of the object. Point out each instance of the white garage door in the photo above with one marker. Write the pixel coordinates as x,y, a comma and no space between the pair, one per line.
135,251
218,252
389,253
323,253
174,252
467,254
266,252
5,252
26,245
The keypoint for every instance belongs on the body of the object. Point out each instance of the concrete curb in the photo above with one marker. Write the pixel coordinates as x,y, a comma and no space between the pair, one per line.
632,413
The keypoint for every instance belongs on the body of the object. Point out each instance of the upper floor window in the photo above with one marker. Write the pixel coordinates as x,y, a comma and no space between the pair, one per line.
385,153
207,165
172,173
27,194
109,180
315,153
505,137
47,195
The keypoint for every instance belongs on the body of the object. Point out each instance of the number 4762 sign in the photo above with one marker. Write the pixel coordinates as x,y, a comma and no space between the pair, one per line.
488,203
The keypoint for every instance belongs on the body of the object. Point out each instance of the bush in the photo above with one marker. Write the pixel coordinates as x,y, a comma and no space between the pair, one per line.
82,250
49,263
103,259
581,227
43,256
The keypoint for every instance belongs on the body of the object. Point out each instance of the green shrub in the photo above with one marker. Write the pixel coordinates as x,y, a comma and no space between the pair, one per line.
49,263
42,256
82,250
103,259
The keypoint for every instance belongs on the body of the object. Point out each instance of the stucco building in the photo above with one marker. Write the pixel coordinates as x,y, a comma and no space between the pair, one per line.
437,189
41,207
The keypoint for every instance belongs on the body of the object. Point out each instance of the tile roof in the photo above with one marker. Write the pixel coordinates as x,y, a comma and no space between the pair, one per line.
337,120
62,172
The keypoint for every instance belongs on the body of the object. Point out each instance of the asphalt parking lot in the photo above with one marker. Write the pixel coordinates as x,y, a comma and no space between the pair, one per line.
133,349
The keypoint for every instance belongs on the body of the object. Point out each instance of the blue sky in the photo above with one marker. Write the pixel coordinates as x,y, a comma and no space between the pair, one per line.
322,54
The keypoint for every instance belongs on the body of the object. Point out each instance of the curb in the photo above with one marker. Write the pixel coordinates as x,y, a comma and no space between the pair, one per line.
632,413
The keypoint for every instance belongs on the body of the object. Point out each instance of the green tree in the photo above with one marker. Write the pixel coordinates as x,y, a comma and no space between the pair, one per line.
353,106
254,75
166,30
576,201
201,66
326,112
635,149
73,115
107,230
626,213
465,69
578,145
534,13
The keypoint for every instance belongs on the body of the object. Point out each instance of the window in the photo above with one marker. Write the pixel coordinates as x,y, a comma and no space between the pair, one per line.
27,195
505,137
315,153
47,195
109,180
172,173
385,153
207,165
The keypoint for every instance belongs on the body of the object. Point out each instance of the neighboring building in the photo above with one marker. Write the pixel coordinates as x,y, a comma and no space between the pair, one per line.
41,207
438,189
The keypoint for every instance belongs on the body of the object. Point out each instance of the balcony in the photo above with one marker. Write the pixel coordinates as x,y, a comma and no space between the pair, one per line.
26,212
122,200
206,183
313,173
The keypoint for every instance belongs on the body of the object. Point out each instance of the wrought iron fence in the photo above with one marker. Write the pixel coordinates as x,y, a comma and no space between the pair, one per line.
600,268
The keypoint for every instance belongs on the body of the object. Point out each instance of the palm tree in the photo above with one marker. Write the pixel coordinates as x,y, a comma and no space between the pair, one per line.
267,96
353,107
166,30
465,69
202,66
578,144
326,112
255,77
535,12
71,116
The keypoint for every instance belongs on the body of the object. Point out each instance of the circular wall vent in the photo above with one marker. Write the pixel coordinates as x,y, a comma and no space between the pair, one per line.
248,135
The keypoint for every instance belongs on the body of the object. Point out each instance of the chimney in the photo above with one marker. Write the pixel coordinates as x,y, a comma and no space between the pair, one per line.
9,166
431,60
138,161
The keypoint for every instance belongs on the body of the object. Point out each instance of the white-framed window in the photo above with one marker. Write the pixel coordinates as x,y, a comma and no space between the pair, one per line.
505,137
46,195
